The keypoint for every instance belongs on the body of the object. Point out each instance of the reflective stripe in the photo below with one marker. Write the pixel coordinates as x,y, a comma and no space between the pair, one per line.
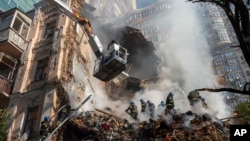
194,99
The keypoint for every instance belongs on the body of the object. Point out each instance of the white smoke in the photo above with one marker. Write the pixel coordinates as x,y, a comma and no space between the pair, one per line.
185,65
185,62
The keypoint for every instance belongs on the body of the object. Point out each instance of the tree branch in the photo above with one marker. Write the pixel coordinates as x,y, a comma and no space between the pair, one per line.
246,90
224,89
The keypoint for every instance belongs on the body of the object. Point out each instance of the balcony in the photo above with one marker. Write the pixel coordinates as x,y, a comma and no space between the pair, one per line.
4,91
7,66
12,43
4,85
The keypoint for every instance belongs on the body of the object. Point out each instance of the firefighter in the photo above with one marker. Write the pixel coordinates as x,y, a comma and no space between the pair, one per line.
44,130
203,102
62,115
194,97
126,125
143,106
169,103
161,107
151,108
162,104
132,110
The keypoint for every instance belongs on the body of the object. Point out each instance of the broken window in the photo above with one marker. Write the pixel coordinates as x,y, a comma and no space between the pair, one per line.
30,123
42,69
50,28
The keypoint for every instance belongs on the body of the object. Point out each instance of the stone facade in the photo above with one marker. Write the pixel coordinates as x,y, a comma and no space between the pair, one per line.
48,76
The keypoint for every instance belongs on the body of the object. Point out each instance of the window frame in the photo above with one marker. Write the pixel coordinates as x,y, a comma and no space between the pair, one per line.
30,122
42,70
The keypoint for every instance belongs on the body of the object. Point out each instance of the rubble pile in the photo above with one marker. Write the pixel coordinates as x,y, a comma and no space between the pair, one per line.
100,125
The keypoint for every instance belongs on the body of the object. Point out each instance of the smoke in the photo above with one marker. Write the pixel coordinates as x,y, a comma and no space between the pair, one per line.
185,62
185,65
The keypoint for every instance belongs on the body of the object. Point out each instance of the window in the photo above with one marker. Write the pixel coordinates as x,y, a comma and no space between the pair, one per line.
42,68
222,32
230,53
30,123
17,24
240,83
232,61
25,31
224,38
228,69
50,28
248,73
20,27
218,21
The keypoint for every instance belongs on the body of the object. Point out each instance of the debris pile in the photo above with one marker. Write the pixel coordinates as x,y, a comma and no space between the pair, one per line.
171,124
100,125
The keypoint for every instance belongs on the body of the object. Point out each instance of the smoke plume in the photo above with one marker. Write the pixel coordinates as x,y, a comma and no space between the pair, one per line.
185,65
185,62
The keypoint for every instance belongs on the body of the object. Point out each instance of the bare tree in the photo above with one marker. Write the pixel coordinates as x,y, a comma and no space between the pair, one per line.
238,13
245,91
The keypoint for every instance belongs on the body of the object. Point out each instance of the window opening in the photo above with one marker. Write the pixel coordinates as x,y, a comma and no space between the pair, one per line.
42,68
30,125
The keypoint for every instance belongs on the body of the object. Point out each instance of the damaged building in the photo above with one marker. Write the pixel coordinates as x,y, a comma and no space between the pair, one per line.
13,43
51,56
50,63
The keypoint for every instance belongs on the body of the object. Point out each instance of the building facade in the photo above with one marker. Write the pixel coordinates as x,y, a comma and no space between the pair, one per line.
110,9
24,5
14,29
56,55
228,59
144,19
143,3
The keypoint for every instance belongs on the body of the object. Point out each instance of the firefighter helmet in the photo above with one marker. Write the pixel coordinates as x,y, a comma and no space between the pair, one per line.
171,94
46,118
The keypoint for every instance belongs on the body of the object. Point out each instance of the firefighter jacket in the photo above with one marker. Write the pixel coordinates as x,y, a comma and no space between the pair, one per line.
204,104
45,125
65,110
170,101
132,109
151,106
143,106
